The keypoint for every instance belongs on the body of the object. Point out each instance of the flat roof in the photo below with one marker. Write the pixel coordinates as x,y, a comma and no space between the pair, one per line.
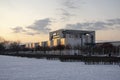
71,30
108,42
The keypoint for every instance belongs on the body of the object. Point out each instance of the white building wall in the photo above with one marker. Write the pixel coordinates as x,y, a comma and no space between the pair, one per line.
73,42
116,43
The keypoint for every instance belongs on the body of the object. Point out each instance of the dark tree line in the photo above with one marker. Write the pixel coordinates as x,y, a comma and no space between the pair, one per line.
2,47
101,49
8,46
15,47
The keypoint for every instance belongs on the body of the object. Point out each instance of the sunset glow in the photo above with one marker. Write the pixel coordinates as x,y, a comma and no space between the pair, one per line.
32,20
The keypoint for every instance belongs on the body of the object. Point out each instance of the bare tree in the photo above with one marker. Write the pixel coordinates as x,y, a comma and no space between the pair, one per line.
37,48
54,48
79,49
108,48
15,47
2,46
60,48
68,47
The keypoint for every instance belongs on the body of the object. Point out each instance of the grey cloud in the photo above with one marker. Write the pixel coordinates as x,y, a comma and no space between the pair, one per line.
71,4
68,8
98,25
65,14
113,21
18,29
41,25
21,30
32,33
38,27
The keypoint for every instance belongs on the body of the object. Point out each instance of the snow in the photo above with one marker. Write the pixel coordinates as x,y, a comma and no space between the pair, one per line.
17,68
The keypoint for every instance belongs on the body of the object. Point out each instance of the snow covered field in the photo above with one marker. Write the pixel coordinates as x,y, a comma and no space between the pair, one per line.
16,68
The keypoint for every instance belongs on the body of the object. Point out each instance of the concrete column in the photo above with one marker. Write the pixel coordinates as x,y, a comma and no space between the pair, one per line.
81,40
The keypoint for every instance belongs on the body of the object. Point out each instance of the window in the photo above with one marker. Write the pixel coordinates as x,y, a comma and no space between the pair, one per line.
54,34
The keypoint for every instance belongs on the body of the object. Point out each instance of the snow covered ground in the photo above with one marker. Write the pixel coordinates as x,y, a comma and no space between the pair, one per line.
17,68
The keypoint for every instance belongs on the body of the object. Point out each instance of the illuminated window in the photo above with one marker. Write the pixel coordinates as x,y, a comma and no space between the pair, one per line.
54,34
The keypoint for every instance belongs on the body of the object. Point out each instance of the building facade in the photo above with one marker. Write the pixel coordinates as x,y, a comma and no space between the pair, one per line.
70,37
32,45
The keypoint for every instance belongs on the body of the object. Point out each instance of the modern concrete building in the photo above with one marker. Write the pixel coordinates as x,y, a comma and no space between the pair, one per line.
44,43
70,37
32,45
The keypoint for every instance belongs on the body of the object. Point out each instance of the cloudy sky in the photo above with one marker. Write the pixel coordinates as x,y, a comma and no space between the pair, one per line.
32,20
